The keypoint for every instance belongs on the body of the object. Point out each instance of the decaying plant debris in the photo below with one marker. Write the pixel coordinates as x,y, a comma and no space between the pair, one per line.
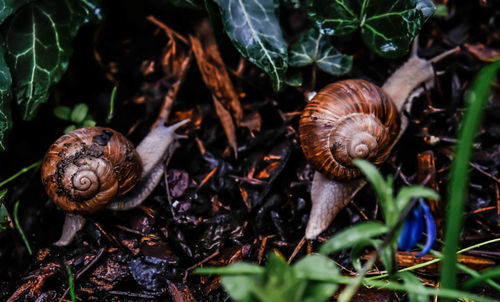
237,188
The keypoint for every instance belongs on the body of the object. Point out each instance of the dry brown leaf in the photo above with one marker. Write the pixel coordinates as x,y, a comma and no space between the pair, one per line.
214,71
252,121
482,52
227,124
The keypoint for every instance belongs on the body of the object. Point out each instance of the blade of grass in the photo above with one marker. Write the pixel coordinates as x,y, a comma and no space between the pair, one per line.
22,171
458,188
111,105
396,286
424,264
19,229
71,284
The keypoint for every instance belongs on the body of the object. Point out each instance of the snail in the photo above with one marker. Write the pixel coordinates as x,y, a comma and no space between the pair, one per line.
94,168
355,119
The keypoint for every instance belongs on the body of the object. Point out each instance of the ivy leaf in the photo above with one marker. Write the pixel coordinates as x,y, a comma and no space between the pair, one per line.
5,99
255,31
5,222
339,17
38,47
193,4
315,48
7,7
388,27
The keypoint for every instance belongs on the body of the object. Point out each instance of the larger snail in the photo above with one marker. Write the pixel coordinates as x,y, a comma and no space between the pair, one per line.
355,119
93,168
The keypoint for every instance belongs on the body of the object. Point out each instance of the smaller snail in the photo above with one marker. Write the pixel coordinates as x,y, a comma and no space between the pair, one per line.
355,119
93,168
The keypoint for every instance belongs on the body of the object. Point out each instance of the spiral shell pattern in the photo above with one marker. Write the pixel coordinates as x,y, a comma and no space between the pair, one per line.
87,168
347,120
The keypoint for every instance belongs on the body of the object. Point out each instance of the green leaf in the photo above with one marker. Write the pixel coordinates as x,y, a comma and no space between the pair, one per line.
281,283
388,27
352,235
319,291
373,176
255,31
5,100
322,274
315,48
193,4
69,128
241,287
79,113
63,113
383,189
5,222
407,193
316,267
339,17
291,4
441,11
38,41
89,123
293,77
385,254
7,7
412,280
232,269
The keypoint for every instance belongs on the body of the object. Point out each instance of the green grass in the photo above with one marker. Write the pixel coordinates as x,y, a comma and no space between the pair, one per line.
19,229
459,178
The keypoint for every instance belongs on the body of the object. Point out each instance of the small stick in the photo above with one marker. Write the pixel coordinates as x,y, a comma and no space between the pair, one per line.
426,170
168,30
86,268
297,249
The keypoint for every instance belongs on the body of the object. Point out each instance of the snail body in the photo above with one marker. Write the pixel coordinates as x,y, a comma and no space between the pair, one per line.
355,119
93,168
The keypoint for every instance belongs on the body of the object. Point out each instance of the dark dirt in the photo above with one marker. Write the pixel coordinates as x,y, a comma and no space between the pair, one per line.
214,208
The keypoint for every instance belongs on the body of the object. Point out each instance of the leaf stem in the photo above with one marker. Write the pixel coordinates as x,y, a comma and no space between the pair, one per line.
111,105
19,229
22,171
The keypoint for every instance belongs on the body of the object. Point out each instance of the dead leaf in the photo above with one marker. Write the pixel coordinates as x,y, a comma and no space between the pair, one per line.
214,71
252,121
227,124
482,52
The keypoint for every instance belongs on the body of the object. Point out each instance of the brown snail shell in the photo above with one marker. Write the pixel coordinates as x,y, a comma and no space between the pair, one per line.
346,120
87,168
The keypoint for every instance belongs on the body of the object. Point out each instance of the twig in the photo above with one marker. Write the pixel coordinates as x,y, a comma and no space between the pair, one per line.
85,269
